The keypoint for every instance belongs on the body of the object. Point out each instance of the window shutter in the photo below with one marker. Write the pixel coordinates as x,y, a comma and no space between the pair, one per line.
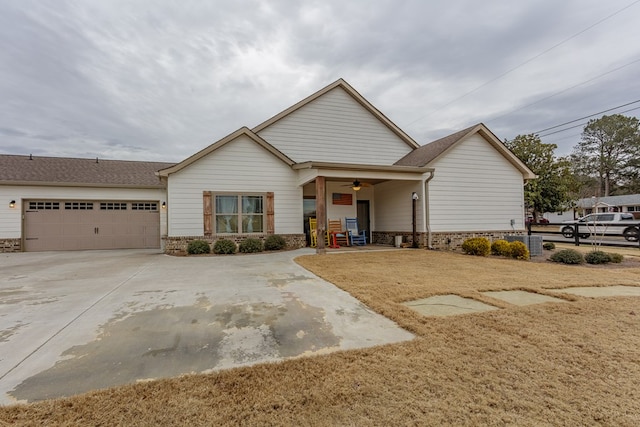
270,214
207,211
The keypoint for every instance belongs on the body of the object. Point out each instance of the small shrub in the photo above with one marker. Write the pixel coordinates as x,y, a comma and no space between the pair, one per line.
477,246
518,250
250,245
549,246
615,257
567,256
274,242
224,246
597,257
196,247
501,247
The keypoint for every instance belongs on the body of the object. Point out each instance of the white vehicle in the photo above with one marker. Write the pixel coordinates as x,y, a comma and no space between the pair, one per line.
601,224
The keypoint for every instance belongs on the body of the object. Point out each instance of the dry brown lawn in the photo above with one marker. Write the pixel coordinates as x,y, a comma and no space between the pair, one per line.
574,363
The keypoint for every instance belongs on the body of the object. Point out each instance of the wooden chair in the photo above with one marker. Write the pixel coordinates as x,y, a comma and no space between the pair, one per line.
357,237
313,232
336,233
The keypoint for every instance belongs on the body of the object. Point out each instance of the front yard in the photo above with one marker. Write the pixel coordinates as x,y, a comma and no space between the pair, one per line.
573,363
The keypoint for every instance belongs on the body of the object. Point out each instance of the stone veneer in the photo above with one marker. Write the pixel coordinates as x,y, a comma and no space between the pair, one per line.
178,245
443,241
10,245
453,241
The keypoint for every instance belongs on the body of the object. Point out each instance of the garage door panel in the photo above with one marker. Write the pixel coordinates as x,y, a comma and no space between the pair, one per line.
86,225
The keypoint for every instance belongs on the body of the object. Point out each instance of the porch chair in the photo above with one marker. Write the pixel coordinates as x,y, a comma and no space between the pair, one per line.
335,229
313,232
357,237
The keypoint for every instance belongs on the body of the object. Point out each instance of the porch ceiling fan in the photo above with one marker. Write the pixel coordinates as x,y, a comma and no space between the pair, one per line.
356,185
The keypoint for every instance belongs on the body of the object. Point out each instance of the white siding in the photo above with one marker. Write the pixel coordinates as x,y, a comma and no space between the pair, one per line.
11,219
335,128
239,166
393,208
475,189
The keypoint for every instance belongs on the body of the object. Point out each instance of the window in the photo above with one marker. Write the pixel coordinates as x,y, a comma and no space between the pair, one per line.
113,206
144,206
239,213
75,206
633,208
44,206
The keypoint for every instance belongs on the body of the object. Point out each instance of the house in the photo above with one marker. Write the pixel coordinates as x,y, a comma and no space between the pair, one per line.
586,206
331,155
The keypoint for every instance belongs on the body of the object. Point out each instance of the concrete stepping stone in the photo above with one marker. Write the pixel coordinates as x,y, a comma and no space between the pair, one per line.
448,305
604,291
521,298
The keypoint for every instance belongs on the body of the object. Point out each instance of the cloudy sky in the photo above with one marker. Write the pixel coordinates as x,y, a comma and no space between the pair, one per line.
161,79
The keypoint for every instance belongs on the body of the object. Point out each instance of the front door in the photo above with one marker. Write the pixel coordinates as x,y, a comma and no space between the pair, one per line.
364,221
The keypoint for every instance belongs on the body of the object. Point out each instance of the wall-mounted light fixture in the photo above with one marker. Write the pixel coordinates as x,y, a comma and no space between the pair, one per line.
12,204
164,205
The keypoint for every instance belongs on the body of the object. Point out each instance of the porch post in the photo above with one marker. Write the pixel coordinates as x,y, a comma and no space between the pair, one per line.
321,214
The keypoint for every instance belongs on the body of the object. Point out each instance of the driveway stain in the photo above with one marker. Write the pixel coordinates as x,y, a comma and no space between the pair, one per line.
171,341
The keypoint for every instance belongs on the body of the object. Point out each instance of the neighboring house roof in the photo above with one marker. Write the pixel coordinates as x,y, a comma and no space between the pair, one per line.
56,171
426,154
626,200
355,95
224,141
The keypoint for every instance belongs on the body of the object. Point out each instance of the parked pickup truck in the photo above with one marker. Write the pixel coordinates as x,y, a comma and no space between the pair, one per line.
610,224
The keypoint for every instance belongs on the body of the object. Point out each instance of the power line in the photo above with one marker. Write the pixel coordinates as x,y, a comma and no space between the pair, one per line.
563,91
584,123
523,63
586,117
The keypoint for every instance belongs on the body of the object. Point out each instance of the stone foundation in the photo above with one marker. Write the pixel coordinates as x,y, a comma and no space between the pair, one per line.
10,245
389,238
452,241
178,245
443,241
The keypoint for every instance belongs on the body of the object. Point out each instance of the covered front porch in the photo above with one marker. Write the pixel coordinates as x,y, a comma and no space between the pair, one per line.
386,200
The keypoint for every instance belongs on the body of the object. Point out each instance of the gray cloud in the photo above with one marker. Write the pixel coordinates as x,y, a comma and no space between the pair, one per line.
159,80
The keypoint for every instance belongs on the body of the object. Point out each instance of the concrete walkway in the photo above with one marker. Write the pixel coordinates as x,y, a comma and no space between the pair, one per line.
71,322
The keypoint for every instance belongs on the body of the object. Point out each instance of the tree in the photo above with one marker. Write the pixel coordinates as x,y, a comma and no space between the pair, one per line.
609,151
550,191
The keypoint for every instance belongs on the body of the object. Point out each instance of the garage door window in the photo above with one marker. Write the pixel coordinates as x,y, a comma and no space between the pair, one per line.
44,206
75,206
144,206
113,206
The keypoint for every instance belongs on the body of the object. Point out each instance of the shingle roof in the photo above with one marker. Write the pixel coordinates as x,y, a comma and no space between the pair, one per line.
423,155
625,200
69,171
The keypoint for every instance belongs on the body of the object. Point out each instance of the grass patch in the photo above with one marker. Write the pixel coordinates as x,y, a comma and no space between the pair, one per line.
563,364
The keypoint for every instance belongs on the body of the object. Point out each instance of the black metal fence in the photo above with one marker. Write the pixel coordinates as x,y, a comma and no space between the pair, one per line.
620,235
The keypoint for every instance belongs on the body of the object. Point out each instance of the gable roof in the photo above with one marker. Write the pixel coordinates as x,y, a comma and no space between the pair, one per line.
341,83
221,143
434,150
65,171
623,200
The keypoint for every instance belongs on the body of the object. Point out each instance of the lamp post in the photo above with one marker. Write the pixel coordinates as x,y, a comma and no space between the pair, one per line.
414,200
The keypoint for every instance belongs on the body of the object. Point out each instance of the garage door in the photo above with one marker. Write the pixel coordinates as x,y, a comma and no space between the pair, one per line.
79,225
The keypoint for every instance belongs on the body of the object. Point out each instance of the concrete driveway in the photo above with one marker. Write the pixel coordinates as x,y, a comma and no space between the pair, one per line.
71,322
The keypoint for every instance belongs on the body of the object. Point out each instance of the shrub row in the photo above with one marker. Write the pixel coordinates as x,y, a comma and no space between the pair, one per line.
480,246
273,242
571,256
515,249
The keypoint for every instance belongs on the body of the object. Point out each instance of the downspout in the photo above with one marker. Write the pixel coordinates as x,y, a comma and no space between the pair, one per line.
425,205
